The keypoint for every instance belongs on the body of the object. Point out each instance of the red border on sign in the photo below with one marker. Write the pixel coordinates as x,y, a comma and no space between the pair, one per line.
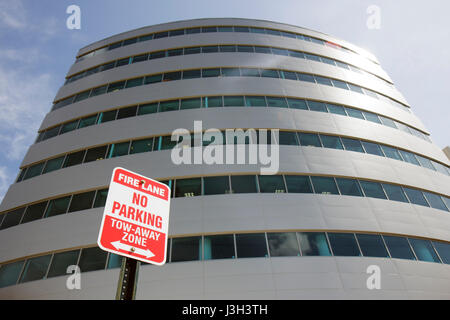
147,182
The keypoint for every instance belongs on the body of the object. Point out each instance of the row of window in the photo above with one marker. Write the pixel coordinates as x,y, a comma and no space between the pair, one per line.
209,29
227,101
284,138
232,246
215,49
216,185
223,72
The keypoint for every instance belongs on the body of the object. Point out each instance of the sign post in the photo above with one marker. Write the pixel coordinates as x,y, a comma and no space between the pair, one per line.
135,225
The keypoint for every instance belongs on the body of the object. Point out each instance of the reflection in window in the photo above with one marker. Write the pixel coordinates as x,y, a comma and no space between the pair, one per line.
324,185
394,192
82,201
373,189
9,273
61,261
424,250
34,212
349,187
12,218
283,244
35,268
442,248
314,244
344,244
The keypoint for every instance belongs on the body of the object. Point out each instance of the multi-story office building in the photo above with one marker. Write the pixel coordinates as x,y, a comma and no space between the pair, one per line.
359,184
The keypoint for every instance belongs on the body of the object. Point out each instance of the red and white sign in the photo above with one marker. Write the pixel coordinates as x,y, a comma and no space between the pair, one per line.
135,222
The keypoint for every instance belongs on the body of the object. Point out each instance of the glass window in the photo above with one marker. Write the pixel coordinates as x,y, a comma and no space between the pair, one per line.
118,149
107,116
424,250
415,197
169,105
280,52
35,268
340,84
12,218
171,76
95,154
435,201
227,48
147,108
225,29
212,102
82,96
283,244
73,159
153,79
442,248
296,54
288,138
160,35
61,261
213,72
388,122
309,140
343,244
134,82
216,185
332,142
265,50
175,52
354,113
317,106
424,162
143,145
394,192
230,72
349,187
373,189
186,249
218,247
34,171
129,41
191,103
100,198
251,245
314,244
355,88
371,117
140,58
177,32
372,245
269,73
88,121
409,157
192,50
297,104
322,80
9,273
324,185
53,164
372,148
255,101
57,206
115,261
288,75
106,66
192,30
70,126
298,184
34,212
241,29
312,57
116,86
271,184
399,247
192,74
273,32
336,109
249,72
391,152
327,60
51,133
243,184
352,145
82,201
92,259
245,48
188,187
233,101
166,143
209,29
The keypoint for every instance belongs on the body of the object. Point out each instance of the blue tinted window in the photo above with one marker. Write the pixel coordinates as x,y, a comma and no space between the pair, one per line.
415,197
373,189
343,244
283,244
424,250
372,148
251,245
298,184
399,247
409,157
219,247
435,201
442,248
394,192
314,244
391,152
349,187
9,273
372,245
331,142
309,139
324,185
352,144
186,249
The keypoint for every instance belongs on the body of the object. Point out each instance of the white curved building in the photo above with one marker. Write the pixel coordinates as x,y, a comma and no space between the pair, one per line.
359,183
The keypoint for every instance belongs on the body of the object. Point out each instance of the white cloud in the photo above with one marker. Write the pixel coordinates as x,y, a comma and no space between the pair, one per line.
12,14
5,181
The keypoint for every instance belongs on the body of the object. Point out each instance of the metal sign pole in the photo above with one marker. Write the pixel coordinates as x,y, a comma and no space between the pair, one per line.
126,287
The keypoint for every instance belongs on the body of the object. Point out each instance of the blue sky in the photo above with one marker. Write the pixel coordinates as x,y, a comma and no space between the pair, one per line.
37,50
